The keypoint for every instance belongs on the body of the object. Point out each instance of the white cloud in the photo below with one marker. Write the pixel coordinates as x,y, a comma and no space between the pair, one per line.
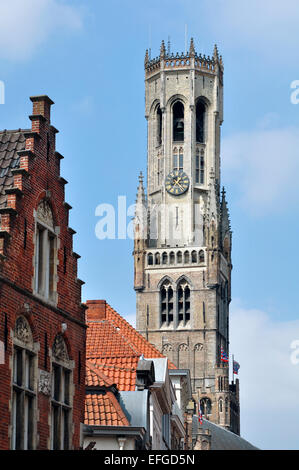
25,25
269,381
264,166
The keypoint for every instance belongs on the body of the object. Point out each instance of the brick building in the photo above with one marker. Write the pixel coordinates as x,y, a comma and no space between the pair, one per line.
42,327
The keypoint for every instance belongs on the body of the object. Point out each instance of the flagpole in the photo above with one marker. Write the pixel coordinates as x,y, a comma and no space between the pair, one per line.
233,372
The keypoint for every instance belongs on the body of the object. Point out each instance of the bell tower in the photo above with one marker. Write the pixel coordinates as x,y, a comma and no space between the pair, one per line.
182,248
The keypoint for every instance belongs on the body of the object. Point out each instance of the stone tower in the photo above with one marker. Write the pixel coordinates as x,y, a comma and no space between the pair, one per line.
182,247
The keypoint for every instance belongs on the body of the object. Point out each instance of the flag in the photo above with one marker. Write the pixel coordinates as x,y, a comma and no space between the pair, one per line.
199,415
224,357
236,367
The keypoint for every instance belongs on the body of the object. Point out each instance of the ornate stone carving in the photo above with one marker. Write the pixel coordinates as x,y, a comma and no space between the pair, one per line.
44,213
44,384
22,330
166,348
198,347
183,347
60,349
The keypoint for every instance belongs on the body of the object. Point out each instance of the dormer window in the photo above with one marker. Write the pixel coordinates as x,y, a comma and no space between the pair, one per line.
45,252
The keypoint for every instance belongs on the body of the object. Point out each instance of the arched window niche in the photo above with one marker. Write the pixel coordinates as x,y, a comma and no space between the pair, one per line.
45,252
183,293
159,125
200,121
166,303
178,121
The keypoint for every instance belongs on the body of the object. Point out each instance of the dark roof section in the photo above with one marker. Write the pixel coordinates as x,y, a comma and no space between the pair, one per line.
221,438
10,143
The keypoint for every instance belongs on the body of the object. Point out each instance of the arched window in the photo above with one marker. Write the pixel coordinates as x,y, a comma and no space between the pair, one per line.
201,256
178,121
206,406
186,257
45,252
159,125
61,403
194,256
164,258
166,303
150,259
23,387
183,302
179,257
171,258
220,405
157,258
202,167
200,121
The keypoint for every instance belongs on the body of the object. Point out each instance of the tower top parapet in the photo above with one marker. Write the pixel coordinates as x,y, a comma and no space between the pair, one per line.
190,59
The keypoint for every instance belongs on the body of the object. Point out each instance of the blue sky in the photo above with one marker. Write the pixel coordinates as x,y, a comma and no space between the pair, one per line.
88,57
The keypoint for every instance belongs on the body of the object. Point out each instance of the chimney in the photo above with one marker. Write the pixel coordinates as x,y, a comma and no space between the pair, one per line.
96,310
42,106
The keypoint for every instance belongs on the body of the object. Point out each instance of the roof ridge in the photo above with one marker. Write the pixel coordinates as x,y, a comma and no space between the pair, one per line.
112,366
134,330
118,408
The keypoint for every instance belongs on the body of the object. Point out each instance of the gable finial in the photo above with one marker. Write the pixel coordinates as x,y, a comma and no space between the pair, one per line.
192,48
146,58
162,50
215,53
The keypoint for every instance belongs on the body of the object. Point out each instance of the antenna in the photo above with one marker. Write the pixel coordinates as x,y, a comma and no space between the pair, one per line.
186,36
150,41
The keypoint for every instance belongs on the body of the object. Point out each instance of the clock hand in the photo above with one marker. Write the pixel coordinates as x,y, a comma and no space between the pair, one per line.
178,184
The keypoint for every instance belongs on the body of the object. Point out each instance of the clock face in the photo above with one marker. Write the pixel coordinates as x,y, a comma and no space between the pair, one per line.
177,182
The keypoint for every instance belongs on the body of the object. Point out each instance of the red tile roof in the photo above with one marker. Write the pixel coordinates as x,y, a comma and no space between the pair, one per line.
101,406
95,377
113,349
104,410
114,345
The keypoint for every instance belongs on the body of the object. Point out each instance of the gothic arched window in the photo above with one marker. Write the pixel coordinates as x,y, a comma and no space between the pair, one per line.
150,260
183,302
200,121
157,258
24,387
206,406
194,256
159,125
45,251
164,258
61,403
171,257
166,303
220,405
179,257
201,256
178,121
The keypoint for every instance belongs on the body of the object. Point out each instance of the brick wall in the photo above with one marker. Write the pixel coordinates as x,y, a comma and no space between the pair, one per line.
37,178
